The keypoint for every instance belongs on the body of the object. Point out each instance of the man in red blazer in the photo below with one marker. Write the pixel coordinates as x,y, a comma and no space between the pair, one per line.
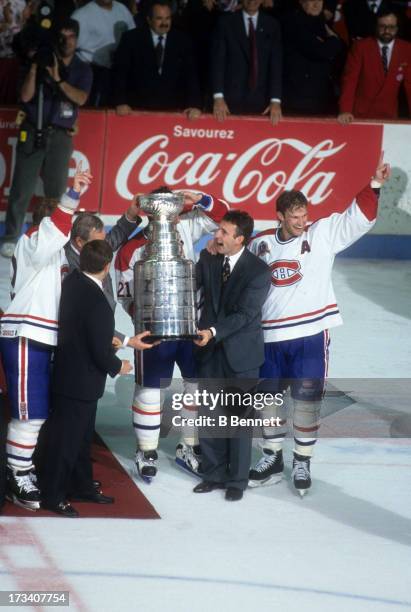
375,69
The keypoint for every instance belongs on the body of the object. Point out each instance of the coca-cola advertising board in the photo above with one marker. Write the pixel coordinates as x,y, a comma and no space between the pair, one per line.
88,144
248,162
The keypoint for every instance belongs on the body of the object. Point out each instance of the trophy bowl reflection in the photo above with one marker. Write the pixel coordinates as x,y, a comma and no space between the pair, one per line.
164,281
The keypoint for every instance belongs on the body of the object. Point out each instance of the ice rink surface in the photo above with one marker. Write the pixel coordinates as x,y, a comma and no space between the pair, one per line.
345,547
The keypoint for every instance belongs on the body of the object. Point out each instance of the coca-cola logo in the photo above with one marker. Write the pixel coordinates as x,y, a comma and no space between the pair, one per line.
257,173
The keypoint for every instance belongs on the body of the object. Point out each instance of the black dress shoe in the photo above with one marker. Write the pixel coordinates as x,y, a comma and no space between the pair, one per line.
233,494
206,486
63,508
95,497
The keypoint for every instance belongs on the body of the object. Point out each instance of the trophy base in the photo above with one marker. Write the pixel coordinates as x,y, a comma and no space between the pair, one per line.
168,337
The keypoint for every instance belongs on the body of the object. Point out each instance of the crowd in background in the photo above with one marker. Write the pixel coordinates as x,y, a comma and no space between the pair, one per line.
301,57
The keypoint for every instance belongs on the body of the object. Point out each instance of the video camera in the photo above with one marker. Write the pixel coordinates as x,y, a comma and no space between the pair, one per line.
38,41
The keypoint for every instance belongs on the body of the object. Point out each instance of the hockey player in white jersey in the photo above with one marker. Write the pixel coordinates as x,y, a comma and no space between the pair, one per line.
28,333
201,215
300,309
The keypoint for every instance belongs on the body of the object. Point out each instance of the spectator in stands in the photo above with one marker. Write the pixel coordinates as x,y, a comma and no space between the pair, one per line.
102,22
13,15
311,52
66,87
154,67
246,64
361,16
375,70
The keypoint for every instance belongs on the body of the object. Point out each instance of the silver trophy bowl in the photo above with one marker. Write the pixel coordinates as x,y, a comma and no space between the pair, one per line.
164,281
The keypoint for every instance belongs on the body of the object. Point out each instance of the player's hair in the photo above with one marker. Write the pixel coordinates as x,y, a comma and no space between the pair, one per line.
161,3
162,189
44,208
289,200
243,221
95,255
84,224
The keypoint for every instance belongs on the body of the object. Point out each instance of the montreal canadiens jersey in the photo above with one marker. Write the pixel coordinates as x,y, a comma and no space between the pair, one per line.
301,301
202,219
37,269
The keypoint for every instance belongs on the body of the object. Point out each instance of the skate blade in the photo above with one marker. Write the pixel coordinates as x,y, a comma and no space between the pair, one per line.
32,506
302,492
272,480
183,465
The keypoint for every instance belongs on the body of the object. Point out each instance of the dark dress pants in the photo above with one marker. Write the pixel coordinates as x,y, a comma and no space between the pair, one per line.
66,467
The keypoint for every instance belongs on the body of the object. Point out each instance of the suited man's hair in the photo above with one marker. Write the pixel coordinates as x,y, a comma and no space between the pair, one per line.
162,189
289,200
161,3
385,12
243,222
84,224
95,255
44,208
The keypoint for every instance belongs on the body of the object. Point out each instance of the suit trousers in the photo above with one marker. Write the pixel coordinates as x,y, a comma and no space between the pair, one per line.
226,459
66,467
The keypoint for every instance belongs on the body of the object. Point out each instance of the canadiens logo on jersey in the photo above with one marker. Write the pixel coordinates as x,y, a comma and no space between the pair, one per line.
285,272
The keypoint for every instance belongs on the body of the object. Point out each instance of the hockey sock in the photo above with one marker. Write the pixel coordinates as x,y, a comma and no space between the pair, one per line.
306,425
189,433
21,441
146,408
273,436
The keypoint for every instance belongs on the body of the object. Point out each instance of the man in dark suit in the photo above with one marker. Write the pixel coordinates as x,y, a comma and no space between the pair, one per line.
154,67
83,358
235,284
246,64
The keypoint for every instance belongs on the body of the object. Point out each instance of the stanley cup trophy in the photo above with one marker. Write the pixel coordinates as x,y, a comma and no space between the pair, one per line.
164,282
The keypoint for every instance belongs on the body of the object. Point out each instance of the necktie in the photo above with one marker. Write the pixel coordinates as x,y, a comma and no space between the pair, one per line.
226,270
252,79
384,56
159,53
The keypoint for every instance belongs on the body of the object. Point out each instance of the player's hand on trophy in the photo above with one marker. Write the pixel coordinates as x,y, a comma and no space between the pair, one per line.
190,200
134,212
126,367
205,337
136,342
212,247
82,179
383,171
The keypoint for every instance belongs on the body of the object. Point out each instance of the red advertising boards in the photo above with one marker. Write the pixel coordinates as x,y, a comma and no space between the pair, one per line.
246,161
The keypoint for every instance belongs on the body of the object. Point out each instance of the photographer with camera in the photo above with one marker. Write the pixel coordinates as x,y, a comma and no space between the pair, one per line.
56,84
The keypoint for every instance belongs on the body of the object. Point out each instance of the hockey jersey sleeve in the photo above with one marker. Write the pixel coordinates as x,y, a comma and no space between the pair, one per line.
41,242
205,216
343,229
124,263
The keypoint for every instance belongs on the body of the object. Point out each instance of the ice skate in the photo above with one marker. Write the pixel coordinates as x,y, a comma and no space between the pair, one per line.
146,462
268,470
189,458
301,474
22,489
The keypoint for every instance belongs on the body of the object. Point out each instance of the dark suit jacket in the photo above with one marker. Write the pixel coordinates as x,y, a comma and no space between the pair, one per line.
309,64
360,20
84,354
136,78
367,91
235,312
230,63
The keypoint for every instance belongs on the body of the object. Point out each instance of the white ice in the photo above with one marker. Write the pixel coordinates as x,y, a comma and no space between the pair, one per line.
344,547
